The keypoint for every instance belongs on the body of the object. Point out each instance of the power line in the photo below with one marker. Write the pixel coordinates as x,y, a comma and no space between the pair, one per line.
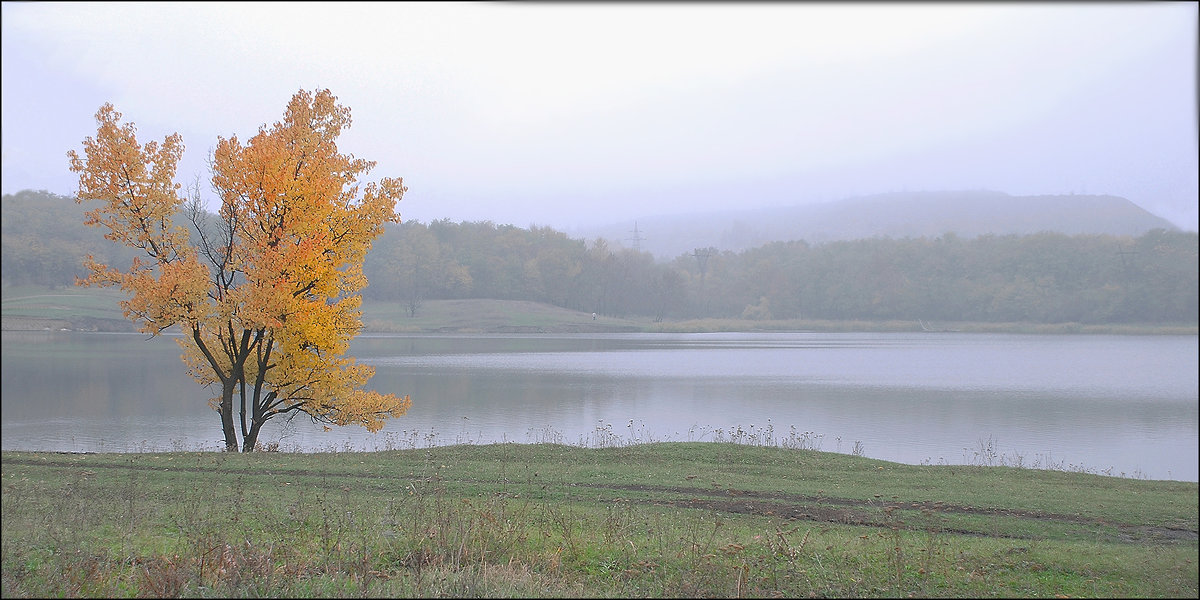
637,238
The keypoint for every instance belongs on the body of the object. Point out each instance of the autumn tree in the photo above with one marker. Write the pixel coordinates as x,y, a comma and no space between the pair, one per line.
266,290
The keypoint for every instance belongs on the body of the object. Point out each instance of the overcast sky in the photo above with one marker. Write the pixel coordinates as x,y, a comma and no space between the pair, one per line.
586,114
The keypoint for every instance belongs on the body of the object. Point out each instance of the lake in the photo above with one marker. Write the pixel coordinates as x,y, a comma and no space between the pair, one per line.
1119,405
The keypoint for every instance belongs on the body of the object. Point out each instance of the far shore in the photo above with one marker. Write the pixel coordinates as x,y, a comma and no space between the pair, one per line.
505,316
33,308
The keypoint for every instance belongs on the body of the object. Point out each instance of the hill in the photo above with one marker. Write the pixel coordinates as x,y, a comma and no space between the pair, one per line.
895,215
901,267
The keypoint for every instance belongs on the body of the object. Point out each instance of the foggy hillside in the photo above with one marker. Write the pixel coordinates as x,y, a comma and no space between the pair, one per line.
895,215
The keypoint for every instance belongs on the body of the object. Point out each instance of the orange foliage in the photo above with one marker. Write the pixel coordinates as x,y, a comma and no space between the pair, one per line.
267,295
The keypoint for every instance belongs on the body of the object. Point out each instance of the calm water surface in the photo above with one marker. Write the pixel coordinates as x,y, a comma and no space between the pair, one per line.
1115,404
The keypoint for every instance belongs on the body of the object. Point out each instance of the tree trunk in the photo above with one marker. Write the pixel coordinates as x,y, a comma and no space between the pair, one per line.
231,443
229,381
251,439
258,404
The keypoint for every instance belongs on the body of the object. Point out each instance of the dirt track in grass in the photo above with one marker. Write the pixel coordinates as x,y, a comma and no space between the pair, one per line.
877,512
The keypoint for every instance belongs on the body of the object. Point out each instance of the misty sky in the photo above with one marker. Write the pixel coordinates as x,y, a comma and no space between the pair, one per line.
570,114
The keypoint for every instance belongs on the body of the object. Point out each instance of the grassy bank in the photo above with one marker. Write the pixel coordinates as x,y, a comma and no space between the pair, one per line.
488,316
88,309
545,520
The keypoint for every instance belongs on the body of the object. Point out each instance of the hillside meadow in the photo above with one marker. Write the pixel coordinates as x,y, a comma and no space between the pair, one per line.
31,307
545,520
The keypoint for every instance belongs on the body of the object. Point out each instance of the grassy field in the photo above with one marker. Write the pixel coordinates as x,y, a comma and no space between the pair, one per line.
35,307
543,520
90,309
484,316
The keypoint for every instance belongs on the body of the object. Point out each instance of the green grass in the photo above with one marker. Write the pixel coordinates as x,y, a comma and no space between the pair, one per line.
62,303
92,308
482,316
545,520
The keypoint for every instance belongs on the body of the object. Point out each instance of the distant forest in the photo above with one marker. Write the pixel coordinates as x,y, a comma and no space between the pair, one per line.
1038,278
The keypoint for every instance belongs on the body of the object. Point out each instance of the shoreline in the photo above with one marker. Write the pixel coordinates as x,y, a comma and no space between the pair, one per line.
99,311
100,325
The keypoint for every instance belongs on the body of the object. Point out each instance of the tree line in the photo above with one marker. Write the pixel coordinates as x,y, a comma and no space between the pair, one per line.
1039,278
44,240
414,262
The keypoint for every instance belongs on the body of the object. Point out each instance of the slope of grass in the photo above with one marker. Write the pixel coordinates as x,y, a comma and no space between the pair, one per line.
476,316
31,307
545,520
62,303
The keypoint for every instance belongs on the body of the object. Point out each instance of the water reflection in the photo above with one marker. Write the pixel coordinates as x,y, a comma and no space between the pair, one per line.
1128,403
